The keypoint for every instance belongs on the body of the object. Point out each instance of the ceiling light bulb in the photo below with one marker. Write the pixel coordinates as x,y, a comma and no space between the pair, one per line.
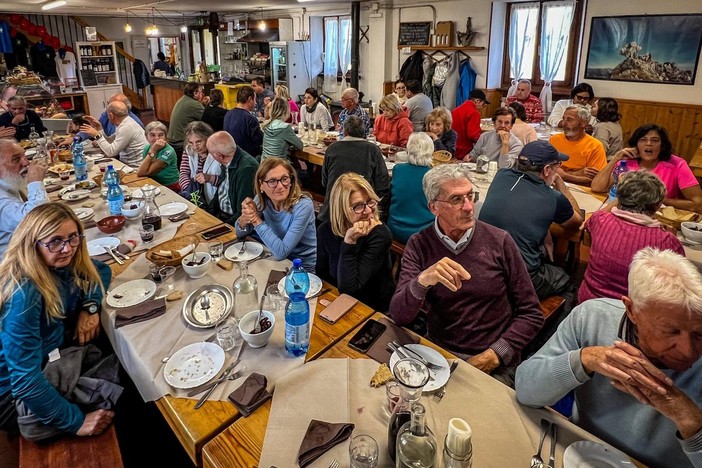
56,4
262,25
127,27
184,29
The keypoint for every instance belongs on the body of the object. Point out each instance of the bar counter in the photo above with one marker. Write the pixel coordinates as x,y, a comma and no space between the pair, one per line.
166,92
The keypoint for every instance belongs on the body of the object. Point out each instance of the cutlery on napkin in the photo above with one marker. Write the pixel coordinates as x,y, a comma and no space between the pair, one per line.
319,438
140,312
123,249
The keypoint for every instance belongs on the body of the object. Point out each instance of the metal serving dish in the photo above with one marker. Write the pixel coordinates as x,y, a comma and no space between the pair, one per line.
221,304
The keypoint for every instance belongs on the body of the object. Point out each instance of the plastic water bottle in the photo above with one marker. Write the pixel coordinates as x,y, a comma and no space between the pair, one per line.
115,197
297,310
619,169
80,165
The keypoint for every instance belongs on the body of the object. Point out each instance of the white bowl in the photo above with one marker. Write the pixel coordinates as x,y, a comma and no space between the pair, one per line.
132,213
401,156
196,271
692,231
246,326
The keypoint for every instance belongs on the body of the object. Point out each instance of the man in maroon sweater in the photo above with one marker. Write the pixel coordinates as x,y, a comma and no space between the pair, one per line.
471,280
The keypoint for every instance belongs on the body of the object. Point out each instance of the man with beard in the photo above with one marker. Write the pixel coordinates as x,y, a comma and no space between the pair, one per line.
470,279
586,154
21,188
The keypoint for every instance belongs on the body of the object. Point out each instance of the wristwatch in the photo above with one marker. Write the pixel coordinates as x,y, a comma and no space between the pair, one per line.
98,136
91,307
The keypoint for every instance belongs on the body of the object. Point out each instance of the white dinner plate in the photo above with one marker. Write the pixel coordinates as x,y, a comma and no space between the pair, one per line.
315,285
76,195
589,454
84,214
193,365
125,190
440,376
131,293
251,251
97,246
137,193
172,208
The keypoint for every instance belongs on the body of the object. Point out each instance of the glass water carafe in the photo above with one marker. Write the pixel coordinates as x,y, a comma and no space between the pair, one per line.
416,445
150,214
245,290
412,376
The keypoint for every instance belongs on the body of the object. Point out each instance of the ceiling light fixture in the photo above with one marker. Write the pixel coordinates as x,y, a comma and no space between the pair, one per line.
184,28
261,24
151,30
127,27
51,5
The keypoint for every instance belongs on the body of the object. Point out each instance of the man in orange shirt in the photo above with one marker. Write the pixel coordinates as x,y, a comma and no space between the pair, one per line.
466,122
586,154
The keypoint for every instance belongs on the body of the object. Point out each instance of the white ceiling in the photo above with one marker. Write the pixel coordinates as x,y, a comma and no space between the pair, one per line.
166,7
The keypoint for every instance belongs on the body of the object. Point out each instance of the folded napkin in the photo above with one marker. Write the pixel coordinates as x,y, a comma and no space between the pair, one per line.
319,438
379,350
251,394
53,188
274,277
122,248
140,312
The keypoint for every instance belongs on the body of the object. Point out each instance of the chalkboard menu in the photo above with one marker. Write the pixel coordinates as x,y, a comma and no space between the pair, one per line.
414,34
89,78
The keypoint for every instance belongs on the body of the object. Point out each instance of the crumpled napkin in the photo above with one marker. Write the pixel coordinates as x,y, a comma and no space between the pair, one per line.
140,312
251,394
319,438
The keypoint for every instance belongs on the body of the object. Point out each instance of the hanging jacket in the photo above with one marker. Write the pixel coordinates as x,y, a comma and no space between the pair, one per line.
141,74
428,65
412,68
466,82
449,91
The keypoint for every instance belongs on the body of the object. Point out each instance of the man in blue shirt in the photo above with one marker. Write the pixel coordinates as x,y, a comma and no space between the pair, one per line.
349,101
259,87
107,126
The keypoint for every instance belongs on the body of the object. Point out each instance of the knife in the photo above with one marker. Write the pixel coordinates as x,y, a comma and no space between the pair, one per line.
221,379
112,254
554,435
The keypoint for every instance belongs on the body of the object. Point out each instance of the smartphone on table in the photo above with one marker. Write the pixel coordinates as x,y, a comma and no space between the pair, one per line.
367,335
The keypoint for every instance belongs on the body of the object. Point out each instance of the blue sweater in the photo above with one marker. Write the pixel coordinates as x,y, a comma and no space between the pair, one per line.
409,212
288,234
26,339
245,130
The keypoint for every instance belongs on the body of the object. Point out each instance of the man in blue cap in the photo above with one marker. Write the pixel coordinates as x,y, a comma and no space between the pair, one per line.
524,201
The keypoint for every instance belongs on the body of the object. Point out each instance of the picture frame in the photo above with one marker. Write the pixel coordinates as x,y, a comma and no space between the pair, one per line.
661,49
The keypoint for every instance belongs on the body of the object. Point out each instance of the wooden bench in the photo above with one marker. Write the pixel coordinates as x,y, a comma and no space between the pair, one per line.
72,452
397,248
551,305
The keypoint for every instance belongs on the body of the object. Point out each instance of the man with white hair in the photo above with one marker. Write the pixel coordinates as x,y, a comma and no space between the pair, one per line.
236,179
349,101
532,104
470,279
633,364
586,154
21,188
107,127
127,142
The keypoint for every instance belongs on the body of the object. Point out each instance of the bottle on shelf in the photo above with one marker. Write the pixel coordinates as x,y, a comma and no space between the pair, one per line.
412,376
297,310
80,165
416,445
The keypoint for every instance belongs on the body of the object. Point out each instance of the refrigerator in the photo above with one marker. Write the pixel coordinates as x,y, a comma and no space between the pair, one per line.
290,65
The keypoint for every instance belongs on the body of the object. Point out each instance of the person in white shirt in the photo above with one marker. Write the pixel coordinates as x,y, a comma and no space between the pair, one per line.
581,95
21,188
128,141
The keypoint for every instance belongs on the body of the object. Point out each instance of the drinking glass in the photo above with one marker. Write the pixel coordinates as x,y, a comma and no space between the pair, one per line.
274,298
372,138
392,393
64,175
215,249
147,233
363,452
155,269
165,273
228,334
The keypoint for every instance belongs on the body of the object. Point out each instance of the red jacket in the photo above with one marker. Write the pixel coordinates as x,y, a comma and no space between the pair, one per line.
393,131
466,122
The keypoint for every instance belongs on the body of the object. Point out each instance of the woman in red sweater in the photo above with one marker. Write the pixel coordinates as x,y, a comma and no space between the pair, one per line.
618,234
393,126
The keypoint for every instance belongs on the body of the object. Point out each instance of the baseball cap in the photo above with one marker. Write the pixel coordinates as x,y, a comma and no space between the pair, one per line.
541,153
479,94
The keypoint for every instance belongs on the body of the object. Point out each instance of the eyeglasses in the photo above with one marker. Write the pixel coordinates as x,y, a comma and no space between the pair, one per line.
457,201
361,207
57,245
580,97
653,141
273,183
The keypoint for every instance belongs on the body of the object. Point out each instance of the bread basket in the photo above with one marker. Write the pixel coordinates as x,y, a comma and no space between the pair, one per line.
441,157
171,253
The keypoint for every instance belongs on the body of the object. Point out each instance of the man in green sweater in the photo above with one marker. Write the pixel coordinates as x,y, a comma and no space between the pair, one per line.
188,109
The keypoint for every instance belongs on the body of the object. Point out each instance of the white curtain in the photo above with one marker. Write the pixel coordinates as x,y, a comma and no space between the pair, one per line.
331,55
522,40
344,47
556,20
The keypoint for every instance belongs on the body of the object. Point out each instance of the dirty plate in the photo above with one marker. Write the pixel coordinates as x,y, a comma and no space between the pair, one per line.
221,304
251,250
76,195
172,208
315,285
137,193
440,376
193,365
84,214
588,454
131,293
97,246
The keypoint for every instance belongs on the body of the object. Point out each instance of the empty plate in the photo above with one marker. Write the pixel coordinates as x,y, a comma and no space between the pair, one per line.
193,365
251,251
97,246
131,293
589,454
137,193
315,285
172,208
76,195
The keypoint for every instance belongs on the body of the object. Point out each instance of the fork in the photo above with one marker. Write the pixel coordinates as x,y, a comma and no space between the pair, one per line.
442,391
116,251
416,356
243,248
334,464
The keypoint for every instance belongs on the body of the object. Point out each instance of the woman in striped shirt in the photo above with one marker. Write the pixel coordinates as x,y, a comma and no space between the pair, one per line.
198,169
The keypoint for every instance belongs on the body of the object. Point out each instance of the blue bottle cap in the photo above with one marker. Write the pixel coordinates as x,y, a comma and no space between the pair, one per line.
297,263
109,166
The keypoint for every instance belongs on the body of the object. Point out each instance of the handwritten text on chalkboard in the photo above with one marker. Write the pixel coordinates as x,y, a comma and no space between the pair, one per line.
417,34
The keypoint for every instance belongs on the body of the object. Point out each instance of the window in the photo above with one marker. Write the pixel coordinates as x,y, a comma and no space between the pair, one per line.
337,45
542,42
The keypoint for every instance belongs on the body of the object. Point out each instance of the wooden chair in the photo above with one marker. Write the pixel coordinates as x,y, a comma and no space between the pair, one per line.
72,452
551,305
397,248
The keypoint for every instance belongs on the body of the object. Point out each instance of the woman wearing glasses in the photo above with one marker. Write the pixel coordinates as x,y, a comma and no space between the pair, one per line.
280,214
353,246
50,295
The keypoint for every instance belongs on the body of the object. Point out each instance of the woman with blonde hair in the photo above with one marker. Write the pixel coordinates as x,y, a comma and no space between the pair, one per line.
50,293
283,92
278,135
437,125
393,126
280,214
353,245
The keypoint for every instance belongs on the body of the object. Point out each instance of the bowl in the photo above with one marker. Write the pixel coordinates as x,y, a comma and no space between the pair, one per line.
692,231
196,271
111,224
132,210
246,325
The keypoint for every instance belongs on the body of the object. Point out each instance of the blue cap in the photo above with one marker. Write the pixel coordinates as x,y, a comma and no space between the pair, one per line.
541,153
297,263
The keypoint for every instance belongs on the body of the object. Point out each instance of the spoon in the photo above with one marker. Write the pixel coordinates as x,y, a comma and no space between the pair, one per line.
536,460
257,327
195,250
205,305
